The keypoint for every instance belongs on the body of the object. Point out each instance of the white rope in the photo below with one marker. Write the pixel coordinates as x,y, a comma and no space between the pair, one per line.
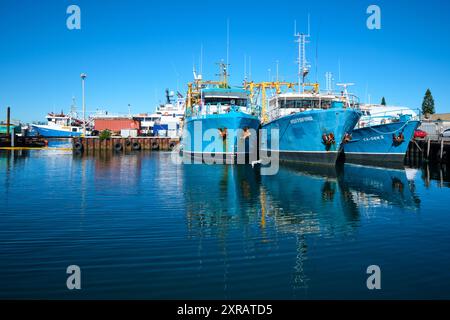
392,132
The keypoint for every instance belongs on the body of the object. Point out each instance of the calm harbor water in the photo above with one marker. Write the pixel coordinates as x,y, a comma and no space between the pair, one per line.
140,226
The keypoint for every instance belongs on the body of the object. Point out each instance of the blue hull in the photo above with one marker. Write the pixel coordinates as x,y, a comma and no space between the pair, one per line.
301,135
53,133
202,135
376,145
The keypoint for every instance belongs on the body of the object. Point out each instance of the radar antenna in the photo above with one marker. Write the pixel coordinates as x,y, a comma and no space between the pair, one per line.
345,91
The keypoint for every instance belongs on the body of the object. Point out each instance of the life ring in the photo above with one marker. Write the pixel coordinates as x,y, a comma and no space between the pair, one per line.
118,146
155,145
328,139
398,139
78,146
223,133
347,137
246,134
136,146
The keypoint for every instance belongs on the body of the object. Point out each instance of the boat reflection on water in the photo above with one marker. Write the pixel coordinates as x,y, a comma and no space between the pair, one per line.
371,186
297,203
220,196
303,201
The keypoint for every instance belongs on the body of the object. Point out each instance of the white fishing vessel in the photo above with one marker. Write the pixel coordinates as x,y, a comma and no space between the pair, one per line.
167,118
374,114
60,125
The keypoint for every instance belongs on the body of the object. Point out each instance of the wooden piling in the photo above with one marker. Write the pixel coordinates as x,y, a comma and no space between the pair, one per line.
8,120
93,145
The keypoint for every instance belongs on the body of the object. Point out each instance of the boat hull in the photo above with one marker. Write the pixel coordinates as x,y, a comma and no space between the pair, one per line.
301,135
48,132
201,136
375,145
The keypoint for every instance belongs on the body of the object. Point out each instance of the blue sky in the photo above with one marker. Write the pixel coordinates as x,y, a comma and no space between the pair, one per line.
132,50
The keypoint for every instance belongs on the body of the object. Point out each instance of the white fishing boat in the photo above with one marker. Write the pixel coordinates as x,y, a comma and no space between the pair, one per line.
167,118
59,125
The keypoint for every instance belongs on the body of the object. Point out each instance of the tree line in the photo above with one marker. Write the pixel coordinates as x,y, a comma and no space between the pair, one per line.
427,103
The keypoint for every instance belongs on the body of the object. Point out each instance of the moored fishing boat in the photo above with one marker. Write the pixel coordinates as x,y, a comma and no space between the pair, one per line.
220,121
311,126
59,126
382,135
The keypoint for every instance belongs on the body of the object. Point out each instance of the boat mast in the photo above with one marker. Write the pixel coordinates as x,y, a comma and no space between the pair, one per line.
344,91
329,82
83,77
228,49
73,110
303,66
223,74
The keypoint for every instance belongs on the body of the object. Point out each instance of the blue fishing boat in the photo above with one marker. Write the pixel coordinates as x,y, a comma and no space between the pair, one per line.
382,135
311,126
220,121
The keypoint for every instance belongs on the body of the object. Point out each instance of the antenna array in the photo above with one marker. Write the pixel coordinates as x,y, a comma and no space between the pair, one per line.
303,65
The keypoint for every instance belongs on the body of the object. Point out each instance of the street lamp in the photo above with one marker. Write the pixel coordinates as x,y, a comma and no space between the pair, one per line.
83,76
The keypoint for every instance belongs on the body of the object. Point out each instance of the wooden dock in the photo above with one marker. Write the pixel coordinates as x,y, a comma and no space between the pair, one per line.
92,145
15,141
430,149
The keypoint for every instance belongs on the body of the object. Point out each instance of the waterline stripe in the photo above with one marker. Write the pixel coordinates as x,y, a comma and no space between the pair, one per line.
298,151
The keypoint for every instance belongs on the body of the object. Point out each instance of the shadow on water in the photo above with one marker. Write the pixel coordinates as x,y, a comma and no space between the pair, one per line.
434,174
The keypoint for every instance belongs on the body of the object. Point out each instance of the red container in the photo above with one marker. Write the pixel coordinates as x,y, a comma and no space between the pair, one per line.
116,124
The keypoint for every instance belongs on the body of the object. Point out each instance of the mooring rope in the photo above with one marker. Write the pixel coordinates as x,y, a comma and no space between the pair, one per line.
392,132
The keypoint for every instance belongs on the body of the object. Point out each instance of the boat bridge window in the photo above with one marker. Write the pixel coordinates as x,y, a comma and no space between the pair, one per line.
304,104
337,104
226,101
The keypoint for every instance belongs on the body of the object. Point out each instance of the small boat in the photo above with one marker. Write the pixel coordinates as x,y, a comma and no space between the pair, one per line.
220,121
59,126
382,135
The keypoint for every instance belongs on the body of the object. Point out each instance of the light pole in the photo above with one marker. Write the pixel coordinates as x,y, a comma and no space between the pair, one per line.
83,76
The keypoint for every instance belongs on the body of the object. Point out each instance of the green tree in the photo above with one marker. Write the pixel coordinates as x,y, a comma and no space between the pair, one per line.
383,101
428,103
105,134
